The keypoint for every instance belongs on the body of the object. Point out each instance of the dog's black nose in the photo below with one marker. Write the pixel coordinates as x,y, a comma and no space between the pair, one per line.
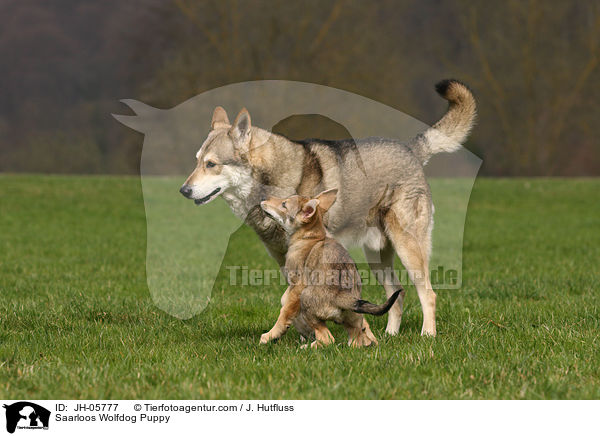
186,191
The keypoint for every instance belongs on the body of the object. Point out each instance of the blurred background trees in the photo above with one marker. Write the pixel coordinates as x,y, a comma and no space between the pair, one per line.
533,66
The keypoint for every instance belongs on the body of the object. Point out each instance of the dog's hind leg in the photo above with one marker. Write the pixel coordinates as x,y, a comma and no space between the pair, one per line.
322,335
408,225
368,332
359,332
381,263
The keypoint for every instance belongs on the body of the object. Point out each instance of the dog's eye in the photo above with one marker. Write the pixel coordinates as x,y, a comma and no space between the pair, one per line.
210,164
283,205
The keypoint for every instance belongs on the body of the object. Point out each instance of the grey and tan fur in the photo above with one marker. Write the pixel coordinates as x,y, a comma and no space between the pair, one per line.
324,282
383,204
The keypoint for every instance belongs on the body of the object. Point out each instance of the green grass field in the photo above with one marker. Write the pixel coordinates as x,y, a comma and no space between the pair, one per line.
77,319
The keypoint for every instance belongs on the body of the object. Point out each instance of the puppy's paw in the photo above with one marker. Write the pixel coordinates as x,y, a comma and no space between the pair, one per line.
266,338
362,340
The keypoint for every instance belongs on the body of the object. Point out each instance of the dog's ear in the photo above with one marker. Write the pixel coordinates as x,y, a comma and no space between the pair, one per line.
309,209
327,198
241,126
219,119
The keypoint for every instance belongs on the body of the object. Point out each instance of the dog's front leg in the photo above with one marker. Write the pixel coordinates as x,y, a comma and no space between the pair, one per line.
284,297
288,312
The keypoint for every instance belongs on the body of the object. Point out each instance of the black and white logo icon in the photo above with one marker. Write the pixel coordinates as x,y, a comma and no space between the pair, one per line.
26,415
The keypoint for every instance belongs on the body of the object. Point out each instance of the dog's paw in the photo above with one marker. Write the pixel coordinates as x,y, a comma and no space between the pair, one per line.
316,344
265,338
431,333
429,330
363,340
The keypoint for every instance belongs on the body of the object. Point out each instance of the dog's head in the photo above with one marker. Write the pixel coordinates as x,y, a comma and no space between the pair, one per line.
220,159
297,211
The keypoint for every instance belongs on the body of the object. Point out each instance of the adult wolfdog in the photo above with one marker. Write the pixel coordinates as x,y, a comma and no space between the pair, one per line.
383,202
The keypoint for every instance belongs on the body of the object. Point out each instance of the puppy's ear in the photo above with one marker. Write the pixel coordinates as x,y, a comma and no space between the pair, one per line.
241,126
219,119
326,199
309,209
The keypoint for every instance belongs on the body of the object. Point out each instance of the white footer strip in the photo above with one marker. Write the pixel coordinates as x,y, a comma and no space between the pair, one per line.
24,417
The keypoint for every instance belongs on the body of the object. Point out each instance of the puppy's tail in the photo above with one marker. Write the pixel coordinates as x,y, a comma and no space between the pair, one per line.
363,306
452,129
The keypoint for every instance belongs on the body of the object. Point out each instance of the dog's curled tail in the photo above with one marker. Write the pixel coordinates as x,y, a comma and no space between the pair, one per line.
364,306
452,129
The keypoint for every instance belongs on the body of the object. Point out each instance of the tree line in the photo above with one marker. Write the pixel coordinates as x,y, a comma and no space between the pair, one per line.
533,66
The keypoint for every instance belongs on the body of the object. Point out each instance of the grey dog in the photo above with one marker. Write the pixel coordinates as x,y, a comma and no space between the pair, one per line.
383,204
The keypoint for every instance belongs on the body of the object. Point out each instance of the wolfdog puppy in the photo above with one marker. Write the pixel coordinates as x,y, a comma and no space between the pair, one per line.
324,282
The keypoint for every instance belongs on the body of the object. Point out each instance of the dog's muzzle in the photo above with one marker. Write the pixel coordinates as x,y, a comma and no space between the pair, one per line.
186,191
208,197
266,211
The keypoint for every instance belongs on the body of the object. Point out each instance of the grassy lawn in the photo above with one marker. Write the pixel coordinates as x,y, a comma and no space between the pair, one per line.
77,319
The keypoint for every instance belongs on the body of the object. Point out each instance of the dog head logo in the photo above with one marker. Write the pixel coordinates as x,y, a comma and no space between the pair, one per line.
26,415
208,151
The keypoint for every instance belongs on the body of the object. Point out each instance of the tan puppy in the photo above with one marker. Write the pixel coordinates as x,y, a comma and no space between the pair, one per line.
324,282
